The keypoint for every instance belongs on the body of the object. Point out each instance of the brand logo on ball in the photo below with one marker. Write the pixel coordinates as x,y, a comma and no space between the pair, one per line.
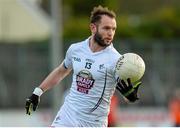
119,62
84,81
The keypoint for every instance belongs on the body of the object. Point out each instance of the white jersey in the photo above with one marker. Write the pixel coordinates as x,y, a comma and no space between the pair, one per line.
93,81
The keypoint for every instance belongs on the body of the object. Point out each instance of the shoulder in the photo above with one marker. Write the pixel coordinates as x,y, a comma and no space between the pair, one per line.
113,52
77,45
113,56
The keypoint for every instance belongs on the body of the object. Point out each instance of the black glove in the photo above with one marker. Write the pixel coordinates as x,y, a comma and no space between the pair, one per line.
128,90
32,103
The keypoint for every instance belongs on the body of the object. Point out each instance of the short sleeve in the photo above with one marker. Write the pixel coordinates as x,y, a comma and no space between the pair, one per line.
68,58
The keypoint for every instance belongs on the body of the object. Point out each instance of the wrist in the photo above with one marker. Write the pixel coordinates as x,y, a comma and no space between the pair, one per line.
38,91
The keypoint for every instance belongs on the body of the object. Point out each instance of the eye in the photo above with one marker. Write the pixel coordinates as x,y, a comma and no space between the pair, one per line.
107,28
114,29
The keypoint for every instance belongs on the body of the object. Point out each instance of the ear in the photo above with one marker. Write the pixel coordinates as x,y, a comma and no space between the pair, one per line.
93,28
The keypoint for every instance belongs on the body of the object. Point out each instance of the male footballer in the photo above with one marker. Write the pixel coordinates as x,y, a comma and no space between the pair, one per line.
93,63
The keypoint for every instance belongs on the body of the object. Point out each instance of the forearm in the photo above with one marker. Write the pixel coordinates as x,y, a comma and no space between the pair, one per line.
51,80
56,76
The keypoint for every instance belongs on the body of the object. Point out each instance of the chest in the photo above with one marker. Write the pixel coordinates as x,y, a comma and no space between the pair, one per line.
96,65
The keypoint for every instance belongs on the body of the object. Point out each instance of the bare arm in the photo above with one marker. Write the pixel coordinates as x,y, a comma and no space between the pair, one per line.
56,76
51,80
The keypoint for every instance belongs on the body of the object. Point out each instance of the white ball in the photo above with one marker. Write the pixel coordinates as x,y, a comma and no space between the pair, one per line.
130,65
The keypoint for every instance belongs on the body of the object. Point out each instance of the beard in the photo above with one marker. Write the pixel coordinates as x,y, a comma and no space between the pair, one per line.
100,41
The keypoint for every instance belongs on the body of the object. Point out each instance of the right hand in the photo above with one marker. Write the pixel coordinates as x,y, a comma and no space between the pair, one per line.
32,103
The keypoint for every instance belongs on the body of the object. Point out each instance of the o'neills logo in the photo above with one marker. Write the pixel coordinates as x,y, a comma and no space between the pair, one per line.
84,81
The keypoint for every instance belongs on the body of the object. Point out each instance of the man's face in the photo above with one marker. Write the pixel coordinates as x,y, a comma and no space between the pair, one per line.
104,31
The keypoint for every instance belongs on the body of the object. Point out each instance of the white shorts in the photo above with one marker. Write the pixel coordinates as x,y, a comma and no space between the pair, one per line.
67,118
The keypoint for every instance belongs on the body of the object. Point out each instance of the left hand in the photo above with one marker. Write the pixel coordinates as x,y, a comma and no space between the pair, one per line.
128,90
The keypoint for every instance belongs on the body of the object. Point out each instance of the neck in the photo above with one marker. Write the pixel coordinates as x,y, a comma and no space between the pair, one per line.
94,46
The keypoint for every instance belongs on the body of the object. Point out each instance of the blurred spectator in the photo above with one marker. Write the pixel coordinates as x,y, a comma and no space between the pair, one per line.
113,114
174,108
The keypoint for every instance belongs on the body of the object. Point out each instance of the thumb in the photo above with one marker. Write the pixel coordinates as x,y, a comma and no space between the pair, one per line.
34,107
136,86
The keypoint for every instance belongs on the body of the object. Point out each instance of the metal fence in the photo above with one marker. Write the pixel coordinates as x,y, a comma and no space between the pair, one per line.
23,67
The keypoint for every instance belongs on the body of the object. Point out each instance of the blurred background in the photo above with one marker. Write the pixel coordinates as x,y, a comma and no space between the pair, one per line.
35,34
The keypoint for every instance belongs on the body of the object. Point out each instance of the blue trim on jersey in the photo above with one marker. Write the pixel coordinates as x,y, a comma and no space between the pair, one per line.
65,66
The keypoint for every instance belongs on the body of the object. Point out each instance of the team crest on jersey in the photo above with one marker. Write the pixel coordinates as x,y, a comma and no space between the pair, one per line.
84,81
101,66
